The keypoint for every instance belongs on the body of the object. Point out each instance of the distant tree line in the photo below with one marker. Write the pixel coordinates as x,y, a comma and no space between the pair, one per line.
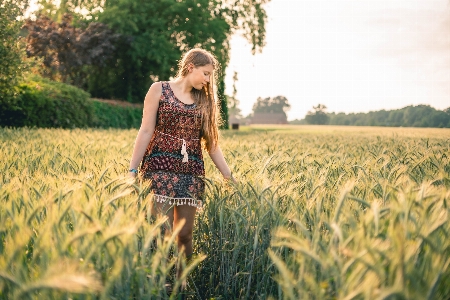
410,116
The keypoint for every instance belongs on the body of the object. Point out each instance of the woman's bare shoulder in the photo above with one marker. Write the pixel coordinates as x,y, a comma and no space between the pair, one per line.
156,87
155,90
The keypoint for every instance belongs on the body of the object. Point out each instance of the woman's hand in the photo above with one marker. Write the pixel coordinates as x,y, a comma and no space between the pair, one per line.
230,178
218,159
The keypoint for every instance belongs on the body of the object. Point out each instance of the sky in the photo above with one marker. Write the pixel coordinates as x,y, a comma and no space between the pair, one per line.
351,55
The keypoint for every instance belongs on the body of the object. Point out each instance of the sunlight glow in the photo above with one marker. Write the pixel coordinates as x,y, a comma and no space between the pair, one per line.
352,56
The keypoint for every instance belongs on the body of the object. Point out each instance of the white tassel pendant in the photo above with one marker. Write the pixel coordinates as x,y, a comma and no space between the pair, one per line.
184,152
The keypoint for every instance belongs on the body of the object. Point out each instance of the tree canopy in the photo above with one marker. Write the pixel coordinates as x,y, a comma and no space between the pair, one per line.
11,64
158,33
318,116
278,104
69,53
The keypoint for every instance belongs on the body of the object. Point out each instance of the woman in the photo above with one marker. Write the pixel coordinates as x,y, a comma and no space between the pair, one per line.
179,116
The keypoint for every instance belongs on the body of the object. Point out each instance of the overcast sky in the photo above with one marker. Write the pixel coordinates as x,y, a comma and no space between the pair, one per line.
351,55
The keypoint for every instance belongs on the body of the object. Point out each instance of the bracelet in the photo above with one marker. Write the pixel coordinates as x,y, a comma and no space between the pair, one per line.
133,170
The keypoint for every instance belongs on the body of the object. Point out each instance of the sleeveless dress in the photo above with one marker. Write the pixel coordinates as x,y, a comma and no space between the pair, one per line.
173,160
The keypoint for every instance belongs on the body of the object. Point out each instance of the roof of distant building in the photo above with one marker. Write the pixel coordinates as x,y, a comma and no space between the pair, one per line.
269,118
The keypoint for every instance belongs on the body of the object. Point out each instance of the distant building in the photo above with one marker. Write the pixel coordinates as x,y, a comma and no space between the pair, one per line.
269,118
233,119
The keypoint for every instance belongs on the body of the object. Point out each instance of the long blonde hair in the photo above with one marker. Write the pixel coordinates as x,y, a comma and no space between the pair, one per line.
204,98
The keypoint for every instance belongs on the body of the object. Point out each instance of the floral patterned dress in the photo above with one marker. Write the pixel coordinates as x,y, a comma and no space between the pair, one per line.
173,160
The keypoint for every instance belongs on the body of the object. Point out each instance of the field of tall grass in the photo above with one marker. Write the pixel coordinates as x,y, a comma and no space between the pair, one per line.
318,213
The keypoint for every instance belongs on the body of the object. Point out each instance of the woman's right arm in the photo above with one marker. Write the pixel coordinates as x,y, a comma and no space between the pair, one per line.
148,124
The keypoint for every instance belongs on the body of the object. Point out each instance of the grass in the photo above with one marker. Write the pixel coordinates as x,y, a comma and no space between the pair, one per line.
320,212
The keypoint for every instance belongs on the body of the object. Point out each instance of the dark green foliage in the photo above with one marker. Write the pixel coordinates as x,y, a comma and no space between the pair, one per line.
68,53
410,116
154,35
11,65
159,32
114,116
223,104
44,103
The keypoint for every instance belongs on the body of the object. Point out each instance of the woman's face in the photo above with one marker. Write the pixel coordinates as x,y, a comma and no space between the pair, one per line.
200,76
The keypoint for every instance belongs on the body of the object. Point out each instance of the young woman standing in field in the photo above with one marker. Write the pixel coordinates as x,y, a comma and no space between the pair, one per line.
178,116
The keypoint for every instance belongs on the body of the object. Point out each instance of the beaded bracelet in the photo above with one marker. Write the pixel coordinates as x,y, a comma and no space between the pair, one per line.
134,171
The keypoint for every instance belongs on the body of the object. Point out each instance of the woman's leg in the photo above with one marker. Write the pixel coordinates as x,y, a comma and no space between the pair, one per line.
175,215
184,239
164,209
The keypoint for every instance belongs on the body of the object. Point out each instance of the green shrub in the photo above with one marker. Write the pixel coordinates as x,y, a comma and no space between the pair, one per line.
11,48
44,103
40,102
116,116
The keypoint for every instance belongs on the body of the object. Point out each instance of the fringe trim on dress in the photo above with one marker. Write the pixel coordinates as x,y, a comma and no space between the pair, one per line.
178,201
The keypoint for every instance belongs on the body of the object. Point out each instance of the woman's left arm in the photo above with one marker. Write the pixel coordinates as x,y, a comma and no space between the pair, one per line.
219,161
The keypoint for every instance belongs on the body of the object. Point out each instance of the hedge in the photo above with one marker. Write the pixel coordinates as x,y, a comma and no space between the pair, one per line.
115,116
44,103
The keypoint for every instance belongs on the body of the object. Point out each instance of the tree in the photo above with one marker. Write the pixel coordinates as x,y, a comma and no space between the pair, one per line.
233,102
409,116
278,104
246,17
447,110
318,116
160,31
67,51
11,49
395,118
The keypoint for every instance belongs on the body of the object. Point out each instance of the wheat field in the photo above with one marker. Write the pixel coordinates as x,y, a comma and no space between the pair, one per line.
319,212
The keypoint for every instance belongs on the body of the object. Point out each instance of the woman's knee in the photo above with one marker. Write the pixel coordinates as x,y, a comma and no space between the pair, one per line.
185,237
